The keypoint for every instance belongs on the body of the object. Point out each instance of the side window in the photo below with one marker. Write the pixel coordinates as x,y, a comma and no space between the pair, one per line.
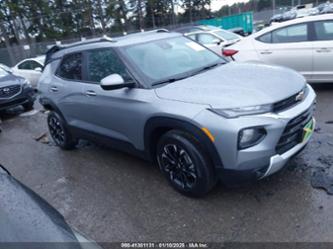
206,38
104,62
35,64
29,65
266,38
294,33
324,30
71,67
25,65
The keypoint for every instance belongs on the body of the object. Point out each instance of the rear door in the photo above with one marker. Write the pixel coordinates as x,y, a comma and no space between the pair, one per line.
66,88
288,46
323,51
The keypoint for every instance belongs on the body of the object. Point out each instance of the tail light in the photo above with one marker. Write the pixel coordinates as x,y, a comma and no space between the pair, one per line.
229,52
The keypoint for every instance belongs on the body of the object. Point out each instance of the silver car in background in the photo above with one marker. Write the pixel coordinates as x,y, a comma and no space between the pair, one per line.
215,39
170,100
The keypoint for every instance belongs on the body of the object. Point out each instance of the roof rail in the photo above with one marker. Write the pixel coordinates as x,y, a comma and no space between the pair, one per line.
146,32
57,48
161,30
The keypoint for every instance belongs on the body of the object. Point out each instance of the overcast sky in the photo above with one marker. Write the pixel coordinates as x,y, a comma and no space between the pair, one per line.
217,4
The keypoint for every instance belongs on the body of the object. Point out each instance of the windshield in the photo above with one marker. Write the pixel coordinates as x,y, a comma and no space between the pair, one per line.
3,72
171,58
226,35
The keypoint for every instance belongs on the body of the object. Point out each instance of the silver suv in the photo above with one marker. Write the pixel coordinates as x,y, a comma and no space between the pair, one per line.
169,99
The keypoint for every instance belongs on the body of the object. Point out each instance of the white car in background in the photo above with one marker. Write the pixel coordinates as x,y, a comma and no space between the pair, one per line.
30,69
5,67
215,39
305,45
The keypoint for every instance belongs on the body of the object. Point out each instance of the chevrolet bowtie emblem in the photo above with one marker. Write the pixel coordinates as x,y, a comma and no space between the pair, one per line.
300,96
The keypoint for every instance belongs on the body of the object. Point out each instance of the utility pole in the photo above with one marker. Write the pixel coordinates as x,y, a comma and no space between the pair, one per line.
273,6
190,11
173,12
4,34
140,15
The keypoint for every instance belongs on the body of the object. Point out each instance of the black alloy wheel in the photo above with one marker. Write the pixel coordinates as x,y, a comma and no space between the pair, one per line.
59,132
178,164
185,164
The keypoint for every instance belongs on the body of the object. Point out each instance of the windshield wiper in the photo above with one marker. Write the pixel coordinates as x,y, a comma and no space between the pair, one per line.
208,67
171,80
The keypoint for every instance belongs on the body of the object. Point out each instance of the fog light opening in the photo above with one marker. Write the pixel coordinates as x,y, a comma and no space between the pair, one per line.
249,137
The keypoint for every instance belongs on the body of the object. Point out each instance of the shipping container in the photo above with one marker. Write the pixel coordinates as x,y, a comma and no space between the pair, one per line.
242,21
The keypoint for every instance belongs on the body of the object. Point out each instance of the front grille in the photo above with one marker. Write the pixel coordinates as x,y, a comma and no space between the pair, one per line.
289,102
12,103
293,133
9,91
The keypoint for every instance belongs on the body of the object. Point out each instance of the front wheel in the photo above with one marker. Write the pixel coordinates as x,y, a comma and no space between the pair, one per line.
59,132
185,164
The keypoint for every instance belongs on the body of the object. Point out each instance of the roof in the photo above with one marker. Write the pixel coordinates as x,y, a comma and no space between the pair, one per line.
136,38
195,27
40,59
295,21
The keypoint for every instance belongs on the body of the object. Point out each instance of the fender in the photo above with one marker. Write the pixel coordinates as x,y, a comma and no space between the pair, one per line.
50,105
165,123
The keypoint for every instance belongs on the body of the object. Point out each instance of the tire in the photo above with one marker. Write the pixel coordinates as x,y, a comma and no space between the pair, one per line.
28,106
59,132
185,164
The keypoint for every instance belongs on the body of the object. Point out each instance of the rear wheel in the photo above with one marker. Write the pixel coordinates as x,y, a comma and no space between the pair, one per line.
185,164
59,132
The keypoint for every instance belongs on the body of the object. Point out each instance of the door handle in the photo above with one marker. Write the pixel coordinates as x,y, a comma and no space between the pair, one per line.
323,50
54,89
266,52
90,93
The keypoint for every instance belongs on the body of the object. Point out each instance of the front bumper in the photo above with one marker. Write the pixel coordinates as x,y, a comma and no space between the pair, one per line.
260,160
26,95
278,161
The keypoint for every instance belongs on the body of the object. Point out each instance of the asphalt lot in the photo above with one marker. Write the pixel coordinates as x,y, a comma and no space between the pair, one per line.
112,196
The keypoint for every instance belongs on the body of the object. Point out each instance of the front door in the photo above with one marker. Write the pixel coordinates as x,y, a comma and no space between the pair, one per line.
112,113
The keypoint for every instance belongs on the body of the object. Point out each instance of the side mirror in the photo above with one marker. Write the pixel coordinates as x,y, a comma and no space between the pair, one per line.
38,69
115,81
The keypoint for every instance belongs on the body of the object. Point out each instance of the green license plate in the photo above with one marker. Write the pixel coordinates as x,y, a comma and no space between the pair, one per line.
308,130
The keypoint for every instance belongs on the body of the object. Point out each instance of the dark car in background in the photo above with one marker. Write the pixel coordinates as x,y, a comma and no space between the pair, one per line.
28,221
15,91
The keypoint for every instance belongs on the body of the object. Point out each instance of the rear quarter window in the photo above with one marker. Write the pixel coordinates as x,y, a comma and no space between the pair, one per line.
265,38
324,30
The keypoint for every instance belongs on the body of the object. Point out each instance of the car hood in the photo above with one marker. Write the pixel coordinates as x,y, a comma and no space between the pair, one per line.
10,79
235,85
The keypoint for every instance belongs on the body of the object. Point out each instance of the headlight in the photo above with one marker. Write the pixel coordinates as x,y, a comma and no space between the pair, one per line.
241,111
250,136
